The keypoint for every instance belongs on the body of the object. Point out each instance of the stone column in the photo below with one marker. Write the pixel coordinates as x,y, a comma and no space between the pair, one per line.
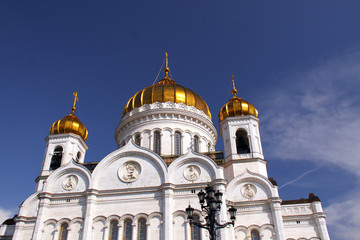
172,143
106,232
275,206
188,230
87,215
56,234
148,231
18,228
39,224
320,222
167,210
119,232
134,232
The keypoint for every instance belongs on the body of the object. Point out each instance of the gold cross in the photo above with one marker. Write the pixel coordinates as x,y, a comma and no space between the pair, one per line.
234,91
76,99
167,60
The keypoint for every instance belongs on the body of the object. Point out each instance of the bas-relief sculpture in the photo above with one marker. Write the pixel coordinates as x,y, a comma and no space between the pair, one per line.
70,182
129,172
248,191
192,173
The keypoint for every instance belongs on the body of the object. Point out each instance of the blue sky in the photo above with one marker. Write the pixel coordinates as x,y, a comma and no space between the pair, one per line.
298,62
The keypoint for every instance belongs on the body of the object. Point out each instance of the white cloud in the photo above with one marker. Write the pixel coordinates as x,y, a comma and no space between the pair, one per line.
321,115
318,119
343,217
5,214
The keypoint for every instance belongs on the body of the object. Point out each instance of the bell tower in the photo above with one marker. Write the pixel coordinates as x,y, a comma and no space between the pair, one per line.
239,128
66,142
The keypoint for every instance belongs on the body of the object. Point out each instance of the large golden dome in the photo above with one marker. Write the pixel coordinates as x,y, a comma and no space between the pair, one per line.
70,124
164,91
237,107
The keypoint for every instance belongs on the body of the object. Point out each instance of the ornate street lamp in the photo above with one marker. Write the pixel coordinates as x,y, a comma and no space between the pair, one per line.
213,201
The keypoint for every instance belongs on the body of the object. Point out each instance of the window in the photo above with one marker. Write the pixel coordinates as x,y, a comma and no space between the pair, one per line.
177,143
113,235
157,142
242,142
196,144
209,147
138,139
141,235
127,235
195,231
255,235
56,158
63,231
78,156
122,143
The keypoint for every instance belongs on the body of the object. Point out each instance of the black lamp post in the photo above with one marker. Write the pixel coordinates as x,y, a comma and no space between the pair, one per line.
213,201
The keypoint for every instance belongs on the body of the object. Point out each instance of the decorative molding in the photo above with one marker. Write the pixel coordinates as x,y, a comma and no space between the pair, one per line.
70,182
248,190
166,105
129,171
192,173
165,111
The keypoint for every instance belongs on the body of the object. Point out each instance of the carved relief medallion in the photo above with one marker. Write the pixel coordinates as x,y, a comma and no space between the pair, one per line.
129,171
70,182
192,173
248,190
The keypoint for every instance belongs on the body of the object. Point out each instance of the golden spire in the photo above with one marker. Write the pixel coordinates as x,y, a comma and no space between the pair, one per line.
167,69
76,99
234,91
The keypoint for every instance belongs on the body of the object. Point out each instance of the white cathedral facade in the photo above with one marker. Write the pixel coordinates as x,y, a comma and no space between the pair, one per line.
166,155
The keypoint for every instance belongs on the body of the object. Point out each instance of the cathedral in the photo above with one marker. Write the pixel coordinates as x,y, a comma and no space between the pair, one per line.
166,155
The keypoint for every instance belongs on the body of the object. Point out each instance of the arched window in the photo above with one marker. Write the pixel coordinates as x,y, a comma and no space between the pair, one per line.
242,142
78,156
157,142
195,231
138,139
209,147
114,230
196,144
127,234
63,231
56,158
141,234
255,235
177,143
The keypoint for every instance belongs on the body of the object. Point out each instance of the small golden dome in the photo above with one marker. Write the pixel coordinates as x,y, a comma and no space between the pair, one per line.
70,124
166,90
237,107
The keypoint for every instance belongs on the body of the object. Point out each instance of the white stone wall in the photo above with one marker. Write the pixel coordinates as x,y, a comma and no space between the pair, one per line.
250,124
150,190
168,118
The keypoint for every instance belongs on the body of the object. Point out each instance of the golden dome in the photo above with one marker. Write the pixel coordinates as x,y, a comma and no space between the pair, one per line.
164,91
237,107
70,124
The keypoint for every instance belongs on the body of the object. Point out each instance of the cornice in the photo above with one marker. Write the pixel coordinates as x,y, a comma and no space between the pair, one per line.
166,111
166,105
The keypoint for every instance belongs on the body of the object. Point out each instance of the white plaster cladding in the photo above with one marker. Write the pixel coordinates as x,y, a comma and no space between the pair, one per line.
168,118
134,183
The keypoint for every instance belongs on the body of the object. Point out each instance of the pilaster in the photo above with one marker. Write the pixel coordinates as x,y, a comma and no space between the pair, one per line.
275,206
88,214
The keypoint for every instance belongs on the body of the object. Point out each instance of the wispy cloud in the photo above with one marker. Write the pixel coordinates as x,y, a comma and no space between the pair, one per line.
343,217
299,177
5,214
318,117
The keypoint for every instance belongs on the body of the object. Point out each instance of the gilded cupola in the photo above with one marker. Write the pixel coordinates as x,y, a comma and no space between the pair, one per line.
70,124
166,90
237,107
